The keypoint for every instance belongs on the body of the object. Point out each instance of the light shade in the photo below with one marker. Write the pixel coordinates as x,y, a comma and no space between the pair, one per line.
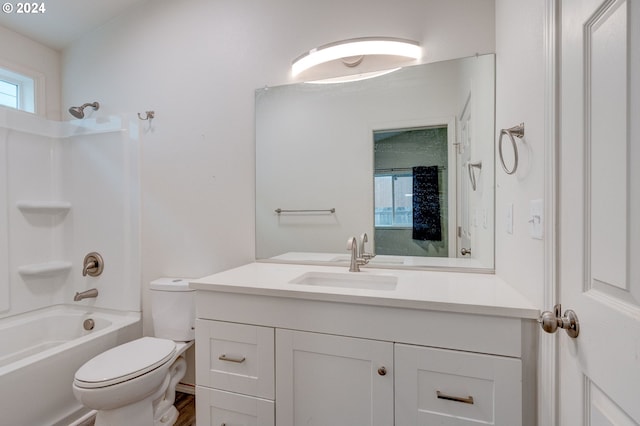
356,47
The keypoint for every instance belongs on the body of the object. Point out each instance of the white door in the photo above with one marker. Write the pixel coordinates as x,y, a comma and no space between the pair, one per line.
325,380
599,267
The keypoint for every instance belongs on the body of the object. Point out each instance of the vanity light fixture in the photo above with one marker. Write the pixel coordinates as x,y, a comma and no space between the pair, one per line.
353,51
351,78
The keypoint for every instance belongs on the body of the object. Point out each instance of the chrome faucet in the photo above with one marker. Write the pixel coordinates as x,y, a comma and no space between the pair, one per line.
93,292
356,260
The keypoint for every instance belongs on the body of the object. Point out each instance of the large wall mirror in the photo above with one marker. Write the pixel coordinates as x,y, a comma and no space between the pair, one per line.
407,158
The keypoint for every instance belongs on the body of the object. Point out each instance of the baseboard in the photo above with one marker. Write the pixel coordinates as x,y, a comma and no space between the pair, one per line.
186,388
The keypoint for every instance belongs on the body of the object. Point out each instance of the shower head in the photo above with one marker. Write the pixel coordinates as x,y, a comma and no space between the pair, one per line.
78,112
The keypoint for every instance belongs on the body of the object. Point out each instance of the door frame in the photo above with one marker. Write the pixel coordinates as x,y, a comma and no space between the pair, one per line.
548,398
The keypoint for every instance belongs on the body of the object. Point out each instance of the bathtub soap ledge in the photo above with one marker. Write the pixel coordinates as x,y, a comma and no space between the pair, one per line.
46,268
51,207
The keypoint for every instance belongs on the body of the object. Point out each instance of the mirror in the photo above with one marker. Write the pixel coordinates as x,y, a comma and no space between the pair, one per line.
334,161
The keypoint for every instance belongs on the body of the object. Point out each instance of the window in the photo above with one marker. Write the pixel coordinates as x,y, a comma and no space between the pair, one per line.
393,200
17,90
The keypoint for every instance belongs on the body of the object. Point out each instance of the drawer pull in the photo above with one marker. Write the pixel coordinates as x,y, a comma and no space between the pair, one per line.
224,357
467,400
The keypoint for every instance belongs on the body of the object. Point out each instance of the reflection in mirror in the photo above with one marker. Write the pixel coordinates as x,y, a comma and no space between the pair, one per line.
391,156
410,192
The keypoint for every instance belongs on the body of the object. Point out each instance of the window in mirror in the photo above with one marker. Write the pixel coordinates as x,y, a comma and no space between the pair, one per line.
411,191
393,198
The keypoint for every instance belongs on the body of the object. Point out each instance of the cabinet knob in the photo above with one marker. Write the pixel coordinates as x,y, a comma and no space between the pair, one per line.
382,371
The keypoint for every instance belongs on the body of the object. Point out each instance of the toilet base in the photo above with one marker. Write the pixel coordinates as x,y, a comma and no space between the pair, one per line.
139,414
155,410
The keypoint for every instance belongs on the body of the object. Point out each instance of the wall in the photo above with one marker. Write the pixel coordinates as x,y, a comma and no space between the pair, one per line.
25,56
196,63
520,89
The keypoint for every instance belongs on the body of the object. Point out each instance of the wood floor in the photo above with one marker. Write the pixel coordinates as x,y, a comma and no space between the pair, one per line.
186,405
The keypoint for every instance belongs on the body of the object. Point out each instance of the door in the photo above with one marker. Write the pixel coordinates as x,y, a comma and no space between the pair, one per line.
326,380
599,272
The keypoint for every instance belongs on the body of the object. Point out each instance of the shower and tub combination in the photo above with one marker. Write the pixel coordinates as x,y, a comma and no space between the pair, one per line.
71,188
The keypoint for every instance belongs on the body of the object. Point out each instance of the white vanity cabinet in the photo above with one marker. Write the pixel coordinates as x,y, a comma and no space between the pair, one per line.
444,387
333,380
234,374
315,358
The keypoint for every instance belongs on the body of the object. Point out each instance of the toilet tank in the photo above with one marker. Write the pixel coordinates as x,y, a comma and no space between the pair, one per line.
173,309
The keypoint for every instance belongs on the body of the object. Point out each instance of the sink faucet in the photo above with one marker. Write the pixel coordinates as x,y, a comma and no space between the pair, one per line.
356,260
85,294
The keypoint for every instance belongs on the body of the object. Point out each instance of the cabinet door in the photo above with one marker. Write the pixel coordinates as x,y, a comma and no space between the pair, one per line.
444,387
235,357
332,380
216,408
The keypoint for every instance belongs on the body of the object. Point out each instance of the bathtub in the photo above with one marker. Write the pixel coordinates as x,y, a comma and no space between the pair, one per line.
40,352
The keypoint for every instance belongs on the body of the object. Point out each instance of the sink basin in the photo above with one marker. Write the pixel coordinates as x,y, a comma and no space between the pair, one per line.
347,280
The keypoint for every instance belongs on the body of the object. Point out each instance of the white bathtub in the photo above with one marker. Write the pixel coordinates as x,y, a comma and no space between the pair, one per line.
40,352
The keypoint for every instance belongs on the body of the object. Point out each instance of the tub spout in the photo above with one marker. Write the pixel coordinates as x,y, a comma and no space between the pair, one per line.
85,294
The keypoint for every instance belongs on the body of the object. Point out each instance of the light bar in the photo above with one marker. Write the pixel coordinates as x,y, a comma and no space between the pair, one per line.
357,47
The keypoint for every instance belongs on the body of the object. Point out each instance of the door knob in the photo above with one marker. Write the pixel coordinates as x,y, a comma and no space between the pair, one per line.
551,321
465,251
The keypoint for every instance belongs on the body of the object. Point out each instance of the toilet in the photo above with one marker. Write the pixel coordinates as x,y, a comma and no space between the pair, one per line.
135,383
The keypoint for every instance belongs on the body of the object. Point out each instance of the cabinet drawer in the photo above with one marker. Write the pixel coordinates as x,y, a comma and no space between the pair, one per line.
217,408
235,357
444,387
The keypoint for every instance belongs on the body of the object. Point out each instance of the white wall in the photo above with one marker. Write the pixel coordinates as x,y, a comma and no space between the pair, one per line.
27,57
520,92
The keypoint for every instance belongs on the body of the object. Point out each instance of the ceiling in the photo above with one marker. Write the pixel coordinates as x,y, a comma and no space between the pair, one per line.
63,21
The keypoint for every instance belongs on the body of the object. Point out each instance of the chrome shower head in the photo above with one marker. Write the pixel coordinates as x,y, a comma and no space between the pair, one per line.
78,112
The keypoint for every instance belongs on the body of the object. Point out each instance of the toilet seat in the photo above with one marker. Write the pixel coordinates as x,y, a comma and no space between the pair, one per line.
125,362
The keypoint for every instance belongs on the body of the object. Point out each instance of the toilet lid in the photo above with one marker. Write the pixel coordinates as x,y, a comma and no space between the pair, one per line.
125,362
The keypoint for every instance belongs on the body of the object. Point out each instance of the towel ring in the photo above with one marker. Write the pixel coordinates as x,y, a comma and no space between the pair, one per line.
517,131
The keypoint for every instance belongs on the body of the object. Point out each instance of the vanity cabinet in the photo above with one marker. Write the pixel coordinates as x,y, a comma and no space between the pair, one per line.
234,374
444,387
312,358
333,380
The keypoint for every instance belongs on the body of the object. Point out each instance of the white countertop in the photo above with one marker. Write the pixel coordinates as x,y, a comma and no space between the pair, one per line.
469,293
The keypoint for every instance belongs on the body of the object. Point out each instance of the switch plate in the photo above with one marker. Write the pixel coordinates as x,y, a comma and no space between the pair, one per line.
536,219
509,218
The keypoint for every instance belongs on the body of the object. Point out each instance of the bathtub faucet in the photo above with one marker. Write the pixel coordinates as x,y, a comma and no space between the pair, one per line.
93,292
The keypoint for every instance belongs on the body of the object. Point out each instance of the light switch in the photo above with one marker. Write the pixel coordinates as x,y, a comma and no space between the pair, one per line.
536,219
509,218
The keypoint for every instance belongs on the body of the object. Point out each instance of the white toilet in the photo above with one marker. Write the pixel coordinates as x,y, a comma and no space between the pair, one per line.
134,383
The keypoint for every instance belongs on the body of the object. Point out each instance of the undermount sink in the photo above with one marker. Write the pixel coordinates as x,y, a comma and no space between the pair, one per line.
347,280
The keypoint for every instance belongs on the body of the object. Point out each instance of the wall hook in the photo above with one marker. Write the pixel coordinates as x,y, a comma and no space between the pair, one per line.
148,115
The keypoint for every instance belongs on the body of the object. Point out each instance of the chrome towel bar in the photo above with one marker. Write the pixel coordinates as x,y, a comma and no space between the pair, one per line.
332,210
